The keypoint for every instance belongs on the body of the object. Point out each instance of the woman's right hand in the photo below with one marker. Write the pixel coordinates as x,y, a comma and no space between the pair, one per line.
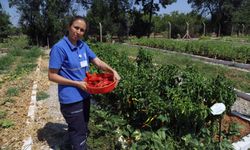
82,85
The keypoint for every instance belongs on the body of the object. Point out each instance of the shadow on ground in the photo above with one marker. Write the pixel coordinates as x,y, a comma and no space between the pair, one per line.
55,134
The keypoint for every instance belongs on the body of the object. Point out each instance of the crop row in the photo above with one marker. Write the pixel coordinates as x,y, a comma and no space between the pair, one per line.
208,48
164,107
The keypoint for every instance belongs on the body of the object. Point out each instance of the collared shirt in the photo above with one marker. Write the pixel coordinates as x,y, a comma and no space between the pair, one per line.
72,61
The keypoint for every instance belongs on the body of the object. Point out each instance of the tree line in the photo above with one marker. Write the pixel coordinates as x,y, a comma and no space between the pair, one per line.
44,21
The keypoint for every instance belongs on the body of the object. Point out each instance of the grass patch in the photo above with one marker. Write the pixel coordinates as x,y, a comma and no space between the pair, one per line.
6,123
41,95
21,59
2,114
12,91
8,100
5,62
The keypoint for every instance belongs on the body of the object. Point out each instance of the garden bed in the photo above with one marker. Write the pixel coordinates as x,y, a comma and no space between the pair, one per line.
244,126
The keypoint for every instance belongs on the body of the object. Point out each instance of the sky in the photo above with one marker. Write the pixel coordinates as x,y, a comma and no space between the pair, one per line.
181,6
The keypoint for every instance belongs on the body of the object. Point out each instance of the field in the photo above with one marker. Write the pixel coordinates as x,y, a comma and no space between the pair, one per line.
162,102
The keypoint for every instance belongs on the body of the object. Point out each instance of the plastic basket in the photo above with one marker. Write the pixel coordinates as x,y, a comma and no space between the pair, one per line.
100,83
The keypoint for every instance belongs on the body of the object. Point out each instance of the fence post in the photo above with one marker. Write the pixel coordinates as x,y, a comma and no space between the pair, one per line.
100,31
187,36
243,29
204,28
169,30
232,30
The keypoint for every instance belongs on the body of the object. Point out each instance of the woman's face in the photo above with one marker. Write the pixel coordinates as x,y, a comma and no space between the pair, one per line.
76,30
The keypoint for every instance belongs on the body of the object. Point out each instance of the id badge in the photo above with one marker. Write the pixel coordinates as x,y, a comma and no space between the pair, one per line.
84,63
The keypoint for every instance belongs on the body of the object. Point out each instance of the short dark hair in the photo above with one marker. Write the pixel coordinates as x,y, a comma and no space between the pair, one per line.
74,18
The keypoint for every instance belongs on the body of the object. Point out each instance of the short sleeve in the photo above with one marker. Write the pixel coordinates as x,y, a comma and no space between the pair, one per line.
56,58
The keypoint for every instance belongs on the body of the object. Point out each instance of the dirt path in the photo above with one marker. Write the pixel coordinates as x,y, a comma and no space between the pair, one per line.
49,128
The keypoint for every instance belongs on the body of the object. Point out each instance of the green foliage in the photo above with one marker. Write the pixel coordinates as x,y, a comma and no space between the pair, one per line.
178,23
149,7
140,26
41,95
163,104
15,42
234,129
155,141
224,12
242,14
144,58
191,142
5,62
25,59
4,25
104,128
6,123
209,48
12,91
43,20
114,21
2,114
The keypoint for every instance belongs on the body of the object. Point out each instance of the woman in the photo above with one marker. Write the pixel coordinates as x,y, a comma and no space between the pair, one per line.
69,61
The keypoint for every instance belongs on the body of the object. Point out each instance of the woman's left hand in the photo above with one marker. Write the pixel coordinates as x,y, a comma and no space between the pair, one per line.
116,77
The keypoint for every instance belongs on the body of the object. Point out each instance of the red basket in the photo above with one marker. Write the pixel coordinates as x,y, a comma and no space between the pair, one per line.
100,83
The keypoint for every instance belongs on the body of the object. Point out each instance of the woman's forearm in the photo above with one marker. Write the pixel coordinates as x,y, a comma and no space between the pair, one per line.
53,76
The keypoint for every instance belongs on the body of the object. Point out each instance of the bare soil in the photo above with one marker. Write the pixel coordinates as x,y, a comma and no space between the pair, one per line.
16,108
244,126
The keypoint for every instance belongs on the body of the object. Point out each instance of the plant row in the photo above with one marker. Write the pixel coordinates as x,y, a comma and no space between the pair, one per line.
208,48
19,60
163,107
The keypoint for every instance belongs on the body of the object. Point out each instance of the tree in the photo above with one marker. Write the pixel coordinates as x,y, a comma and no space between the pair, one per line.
178,23
149,7
98,14
5,25
221,12
139,27
42,20
112,14
242,15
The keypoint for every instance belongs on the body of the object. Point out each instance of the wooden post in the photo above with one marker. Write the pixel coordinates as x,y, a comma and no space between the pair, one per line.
243,29
187,36
219,30
169,30
232,30
204,28
100,31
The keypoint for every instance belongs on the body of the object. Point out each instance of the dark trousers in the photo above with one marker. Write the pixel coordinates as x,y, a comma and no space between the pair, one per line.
77,118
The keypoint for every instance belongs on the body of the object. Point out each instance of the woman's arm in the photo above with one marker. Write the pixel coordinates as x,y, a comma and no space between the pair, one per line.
105,67
53,76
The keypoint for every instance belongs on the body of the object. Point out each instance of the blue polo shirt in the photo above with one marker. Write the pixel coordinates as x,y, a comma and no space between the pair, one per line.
72,62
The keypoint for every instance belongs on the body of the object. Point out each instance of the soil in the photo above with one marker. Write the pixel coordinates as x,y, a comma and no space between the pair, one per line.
49,128
244,126
16,108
